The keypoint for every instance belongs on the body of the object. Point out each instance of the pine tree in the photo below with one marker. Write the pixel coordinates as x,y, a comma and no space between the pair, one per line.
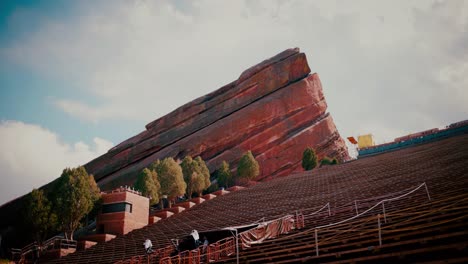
223,175
189,172
248,167
204,172
309,159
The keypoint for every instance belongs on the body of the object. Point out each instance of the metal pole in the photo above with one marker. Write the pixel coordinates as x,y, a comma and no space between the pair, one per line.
316,243
380,230
297,221
302,220
355,203
384,215
427,191
237,247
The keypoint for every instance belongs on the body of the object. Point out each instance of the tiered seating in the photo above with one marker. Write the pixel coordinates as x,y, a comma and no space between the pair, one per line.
438,221
440,224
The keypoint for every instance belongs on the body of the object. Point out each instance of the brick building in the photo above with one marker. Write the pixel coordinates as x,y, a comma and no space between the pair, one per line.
123,210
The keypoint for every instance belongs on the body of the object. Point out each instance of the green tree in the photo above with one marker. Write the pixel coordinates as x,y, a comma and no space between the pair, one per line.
75,195
309,159
196,175
204,172
190,174
39,215
198,183
148,184
223,174
170,177
248,167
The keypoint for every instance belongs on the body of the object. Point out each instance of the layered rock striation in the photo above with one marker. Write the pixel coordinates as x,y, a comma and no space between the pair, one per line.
275,109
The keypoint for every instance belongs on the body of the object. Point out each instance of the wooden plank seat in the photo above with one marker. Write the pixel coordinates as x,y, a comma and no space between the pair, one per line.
441,164
309,250
439,216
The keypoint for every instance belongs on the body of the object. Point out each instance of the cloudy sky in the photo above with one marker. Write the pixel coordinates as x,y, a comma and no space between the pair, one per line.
77,77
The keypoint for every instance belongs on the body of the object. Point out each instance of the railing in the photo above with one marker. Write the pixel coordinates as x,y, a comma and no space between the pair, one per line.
213,252
16,254
301,211
327,205
393,199
123,189
56,242
227,246
444,133
382,202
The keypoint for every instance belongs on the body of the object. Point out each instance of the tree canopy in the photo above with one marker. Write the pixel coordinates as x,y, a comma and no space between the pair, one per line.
39,215
196,175
205,172
190,173
170,177
75,194
223,174
248,167
309,159
148,184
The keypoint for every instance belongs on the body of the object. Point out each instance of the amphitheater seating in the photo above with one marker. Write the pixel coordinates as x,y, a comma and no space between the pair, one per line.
417,223
425,137
416,228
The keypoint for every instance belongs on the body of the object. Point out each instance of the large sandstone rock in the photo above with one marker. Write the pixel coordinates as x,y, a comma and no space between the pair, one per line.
275,108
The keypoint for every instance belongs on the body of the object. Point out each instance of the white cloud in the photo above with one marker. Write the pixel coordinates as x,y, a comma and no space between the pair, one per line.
32,156
386,66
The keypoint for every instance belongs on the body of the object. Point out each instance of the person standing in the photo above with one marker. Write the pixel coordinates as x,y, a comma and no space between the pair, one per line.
196,237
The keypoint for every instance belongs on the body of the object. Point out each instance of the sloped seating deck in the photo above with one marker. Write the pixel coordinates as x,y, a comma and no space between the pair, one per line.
438,221
442,165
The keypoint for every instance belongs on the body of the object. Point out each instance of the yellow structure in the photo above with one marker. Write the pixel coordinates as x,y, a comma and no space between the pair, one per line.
365,141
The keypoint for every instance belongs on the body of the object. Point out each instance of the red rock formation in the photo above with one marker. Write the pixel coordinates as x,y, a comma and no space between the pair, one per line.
275,108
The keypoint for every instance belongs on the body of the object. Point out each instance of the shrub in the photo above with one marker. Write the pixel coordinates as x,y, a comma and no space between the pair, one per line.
309,159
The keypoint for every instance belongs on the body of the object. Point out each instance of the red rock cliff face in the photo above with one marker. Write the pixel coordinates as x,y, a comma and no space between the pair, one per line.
275,108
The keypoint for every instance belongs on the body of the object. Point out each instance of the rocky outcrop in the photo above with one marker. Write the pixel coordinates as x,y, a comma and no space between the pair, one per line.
275,108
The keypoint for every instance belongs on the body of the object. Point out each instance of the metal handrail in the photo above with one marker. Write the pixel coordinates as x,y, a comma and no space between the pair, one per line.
35,246
387,195
228,240
378,216
377,204
318,211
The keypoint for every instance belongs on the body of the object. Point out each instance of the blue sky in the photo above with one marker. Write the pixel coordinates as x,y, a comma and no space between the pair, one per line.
77,77
28,95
